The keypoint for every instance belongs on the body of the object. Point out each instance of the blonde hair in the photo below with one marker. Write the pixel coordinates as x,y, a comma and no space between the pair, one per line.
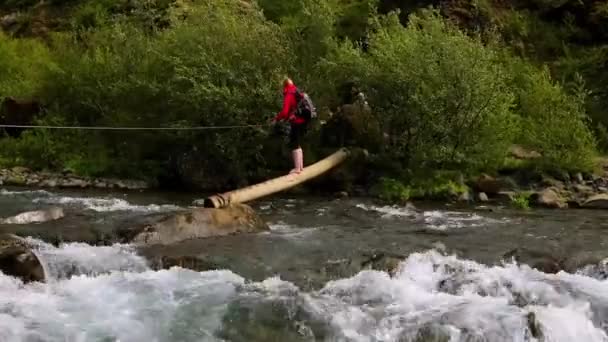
287,81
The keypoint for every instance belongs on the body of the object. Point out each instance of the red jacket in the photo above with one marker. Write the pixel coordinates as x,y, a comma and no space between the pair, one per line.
289,106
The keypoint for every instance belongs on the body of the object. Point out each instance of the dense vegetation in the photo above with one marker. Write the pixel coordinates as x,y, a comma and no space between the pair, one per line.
451,88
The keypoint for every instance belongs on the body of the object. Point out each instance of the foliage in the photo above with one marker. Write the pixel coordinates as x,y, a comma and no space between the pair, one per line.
553,121
441,95
25,63
200,73
521,200
446,97
391,190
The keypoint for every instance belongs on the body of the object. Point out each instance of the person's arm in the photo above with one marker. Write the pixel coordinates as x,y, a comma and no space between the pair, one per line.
288,104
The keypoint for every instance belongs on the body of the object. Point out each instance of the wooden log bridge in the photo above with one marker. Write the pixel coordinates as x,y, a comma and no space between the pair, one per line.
277,184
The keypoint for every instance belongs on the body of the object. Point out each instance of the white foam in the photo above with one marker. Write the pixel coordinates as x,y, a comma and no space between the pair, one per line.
390,211
105,204
80,258
434,219
429,294
5,192
464,298
168,305
288,230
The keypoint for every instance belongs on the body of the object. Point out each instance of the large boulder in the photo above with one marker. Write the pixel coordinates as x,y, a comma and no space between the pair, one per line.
550,198
488,185
599,201
37,216
195,223
18,260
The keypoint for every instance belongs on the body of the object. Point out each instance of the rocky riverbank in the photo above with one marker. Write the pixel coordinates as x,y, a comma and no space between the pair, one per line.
21,176
576,191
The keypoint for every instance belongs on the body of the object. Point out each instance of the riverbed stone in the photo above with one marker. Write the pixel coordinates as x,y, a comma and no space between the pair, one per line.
544,260
583,189
599,201
550,198
196,223
37,216
482,197
18,260
487,184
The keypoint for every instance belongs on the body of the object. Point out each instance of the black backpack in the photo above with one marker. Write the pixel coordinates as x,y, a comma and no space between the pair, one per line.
304,107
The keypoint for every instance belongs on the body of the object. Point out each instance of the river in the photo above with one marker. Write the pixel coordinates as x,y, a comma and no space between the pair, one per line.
305,280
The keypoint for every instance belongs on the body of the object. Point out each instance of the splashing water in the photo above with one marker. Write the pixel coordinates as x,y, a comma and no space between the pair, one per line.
435,219
105,205
113,296
82,259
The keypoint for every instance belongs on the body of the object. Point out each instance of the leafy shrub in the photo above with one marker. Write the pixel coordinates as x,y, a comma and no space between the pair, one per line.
441,95
391,190
552,121
521,200
219,66
25,63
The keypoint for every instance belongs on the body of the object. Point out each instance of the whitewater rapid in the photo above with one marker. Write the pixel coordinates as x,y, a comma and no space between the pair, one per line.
110,294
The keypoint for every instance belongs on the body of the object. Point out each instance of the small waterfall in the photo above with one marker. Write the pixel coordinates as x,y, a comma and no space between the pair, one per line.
82,259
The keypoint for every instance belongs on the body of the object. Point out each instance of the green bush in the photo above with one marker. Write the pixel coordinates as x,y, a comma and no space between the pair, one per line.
220,66
521,200
440,94
25,64
553,122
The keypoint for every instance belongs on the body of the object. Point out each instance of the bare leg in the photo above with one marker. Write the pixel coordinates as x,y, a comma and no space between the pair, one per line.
298,161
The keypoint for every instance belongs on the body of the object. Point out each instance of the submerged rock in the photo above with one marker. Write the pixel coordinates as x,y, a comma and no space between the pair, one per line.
37,216
547,261
18,260
196,223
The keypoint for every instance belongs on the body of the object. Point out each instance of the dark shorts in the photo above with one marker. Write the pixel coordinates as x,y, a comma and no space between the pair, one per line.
296,135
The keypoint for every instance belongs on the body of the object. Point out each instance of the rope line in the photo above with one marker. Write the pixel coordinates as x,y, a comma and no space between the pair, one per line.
134,128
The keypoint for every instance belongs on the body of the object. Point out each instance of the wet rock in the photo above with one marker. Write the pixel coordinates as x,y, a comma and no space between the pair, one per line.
488,185
599,201
49,183
574,263
74,183
534,326
552,182
342,194
38,216
482,197
583,189
196,223
16,180
195,263
382,261
549,198
18,260
543,260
